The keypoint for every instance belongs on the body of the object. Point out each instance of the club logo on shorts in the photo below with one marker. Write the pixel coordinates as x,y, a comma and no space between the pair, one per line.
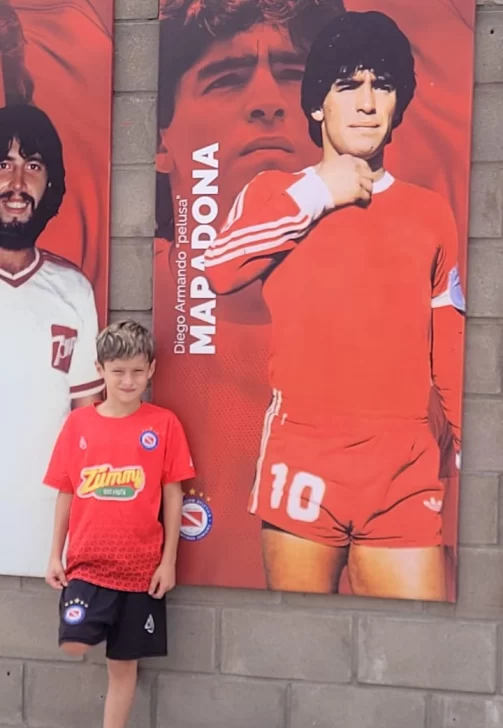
63,344
197,519
149,440
74,614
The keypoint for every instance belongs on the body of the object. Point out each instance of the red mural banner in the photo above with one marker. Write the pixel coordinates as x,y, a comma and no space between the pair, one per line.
55,139
310,265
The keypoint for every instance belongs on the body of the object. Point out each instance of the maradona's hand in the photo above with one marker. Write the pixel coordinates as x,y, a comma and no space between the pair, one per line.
348,179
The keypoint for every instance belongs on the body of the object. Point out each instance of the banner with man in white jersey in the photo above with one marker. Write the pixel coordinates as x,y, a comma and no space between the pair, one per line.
313,176
55,124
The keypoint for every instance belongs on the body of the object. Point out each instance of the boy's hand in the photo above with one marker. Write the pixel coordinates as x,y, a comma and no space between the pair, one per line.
55,576
163,581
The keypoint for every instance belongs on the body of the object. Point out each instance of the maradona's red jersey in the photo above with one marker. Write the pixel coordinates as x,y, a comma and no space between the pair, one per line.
362,299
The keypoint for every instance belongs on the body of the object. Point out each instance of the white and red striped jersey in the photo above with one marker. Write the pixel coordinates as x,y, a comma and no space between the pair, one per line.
269,215
48,329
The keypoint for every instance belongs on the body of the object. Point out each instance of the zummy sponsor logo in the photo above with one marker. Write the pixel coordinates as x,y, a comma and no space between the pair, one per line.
107,483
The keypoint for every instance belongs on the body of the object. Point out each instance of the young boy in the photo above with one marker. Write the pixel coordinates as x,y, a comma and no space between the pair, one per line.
117,466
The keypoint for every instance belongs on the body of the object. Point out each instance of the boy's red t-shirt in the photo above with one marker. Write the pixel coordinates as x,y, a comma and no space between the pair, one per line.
115,468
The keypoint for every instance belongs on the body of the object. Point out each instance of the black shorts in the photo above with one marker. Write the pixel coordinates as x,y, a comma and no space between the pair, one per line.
133,624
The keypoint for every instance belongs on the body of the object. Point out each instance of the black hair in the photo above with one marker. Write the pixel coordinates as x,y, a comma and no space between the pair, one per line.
18,84
188,28
353,41
36,134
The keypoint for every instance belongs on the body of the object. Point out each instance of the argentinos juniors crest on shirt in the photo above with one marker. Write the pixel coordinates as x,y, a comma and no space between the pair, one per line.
107,483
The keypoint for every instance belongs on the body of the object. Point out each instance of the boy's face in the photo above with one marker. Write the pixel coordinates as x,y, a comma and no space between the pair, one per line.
357,115
126,379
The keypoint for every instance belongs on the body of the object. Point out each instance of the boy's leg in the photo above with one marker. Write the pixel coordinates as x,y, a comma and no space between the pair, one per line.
75,649
86,611
140,630
122,677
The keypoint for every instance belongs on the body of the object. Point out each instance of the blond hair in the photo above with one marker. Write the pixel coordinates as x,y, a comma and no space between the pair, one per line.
124,340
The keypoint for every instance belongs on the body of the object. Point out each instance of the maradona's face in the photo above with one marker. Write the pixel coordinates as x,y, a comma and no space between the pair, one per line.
357,115
244,93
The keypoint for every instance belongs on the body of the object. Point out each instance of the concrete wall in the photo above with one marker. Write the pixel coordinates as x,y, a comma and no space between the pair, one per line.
257,660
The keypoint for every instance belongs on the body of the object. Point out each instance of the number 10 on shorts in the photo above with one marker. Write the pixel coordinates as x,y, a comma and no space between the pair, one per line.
304,493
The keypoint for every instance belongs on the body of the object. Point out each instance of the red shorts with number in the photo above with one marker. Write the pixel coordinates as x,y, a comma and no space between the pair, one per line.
370,482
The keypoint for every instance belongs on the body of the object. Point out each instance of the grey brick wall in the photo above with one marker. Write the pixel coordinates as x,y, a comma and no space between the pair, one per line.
242,659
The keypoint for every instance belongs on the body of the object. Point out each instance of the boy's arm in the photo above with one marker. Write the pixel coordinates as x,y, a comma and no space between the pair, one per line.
58,477
178,466
164,578
56,576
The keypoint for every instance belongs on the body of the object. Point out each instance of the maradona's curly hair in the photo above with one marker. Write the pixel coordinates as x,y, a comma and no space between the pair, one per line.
352,41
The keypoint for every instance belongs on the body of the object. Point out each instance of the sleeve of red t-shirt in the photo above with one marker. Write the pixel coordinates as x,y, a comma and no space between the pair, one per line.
448,305
58,472
447,289
269,215
178,463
